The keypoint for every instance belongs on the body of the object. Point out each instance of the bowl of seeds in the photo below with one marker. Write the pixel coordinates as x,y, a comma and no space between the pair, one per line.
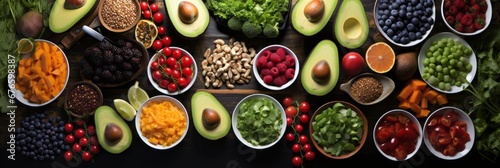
119,15
82,99
368,88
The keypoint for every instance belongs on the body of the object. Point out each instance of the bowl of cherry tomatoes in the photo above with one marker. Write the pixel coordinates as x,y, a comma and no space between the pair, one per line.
449,133
397,135
172,70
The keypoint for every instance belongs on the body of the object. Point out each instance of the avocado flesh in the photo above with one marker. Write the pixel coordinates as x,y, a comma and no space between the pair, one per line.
351,25
62,19
324,50
102,117
202,100
190,30
306,27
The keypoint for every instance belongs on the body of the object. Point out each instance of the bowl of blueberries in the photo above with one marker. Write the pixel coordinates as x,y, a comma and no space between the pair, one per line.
405,23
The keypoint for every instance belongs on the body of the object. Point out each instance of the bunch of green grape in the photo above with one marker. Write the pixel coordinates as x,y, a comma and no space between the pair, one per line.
447,64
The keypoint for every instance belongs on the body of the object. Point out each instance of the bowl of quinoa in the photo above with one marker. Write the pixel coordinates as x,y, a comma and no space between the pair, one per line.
368,88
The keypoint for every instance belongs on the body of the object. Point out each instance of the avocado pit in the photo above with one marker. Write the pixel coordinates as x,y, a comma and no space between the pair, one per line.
74,4
314,10
188,12
210,118
112,133
321,72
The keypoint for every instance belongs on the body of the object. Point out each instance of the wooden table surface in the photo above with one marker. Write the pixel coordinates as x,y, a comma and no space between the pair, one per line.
196,151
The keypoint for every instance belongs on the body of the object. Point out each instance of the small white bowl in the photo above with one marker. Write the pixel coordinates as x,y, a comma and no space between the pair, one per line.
387,84
160,98
165,91
234,120
274,47
488,14
462,116
412,118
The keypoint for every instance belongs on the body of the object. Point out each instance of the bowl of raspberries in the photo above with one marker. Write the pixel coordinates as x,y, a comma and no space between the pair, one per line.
276,67
109,65
466,18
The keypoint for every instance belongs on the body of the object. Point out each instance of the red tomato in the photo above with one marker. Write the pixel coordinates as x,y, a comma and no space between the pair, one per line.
176,74
393,143
166,41
86,156
353,64
167,71
391,118
146,14
177,54
172,87
153,7
93,140
410,133
83,141
94,149
164,83
400,153
409,146
289,121
299,128
296,148
69,139
307,147
187,71
79,133
76,148
303,139
452,116
287,101
154,65
400,134
157,75
304,118
68,155
161,30
309,155
186,61
290,137
445,121
403,119
79,123
296,161
166,50
384,147
432,122
91,130
304,107
183,82
158,17
68,127
144,5
291,111
381,136
162,61
171,62
450,151
157,45
444,138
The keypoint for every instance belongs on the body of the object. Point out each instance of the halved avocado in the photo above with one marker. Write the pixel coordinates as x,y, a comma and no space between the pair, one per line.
193,29
105,116
351,25
306,27
62,19
327,51
203,101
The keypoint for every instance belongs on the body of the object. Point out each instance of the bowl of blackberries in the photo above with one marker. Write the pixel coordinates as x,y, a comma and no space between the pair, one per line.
110,65
466,18
405,23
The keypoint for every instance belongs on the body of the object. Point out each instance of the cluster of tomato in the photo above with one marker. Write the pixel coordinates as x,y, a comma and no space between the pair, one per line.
150,10
82,139
295,121
447,134
172,70
397,135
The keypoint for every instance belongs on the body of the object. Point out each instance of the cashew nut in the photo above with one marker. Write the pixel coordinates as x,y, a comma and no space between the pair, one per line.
229,85
219,41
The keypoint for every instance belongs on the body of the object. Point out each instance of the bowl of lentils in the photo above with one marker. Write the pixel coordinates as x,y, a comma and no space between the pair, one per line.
82,99
119,15
368,88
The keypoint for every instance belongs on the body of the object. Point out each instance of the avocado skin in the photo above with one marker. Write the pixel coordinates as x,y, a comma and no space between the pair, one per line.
324,50
105,115
351,12
202,100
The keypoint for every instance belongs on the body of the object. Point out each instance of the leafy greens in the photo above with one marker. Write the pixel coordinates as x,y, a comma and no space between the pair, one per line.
259,121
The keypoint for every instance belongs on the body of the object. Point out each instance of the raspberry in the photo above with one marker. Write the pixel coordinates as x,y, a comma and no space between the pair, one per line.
289,61
266,53
275,58
281,53
262,62
289,73
281,67
269,64
275,72
268,79
278,81
265,72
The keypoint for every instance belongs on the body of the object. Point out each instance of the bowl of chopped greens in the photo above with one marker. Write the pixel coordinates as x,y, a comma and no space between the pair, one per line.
259,121
338,129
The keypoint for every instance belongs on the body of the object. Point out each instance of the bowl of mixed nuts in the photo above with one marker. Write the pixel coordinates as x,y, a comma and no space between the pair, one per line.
82,99
119,15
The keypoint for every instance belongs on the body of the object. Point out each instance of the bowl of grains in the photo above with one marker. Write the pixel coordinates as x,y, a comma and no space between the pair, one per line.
119,15
82,99
368,88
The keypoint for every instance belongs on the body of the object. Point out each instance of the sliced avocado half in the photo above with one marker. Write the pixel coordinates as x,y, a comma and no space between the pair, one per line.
193,29
62,19
104,116
325,50
203,101
306,27
351,25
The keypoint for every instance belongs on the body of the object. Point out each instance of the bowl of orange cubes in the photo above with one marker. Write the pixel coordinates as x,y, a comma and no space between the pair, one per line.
162,122
42,74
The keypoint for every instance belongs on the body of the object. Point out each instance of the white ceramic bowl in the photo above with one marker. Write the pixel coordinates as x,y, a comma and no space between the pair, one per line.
488,14
462,116
387,84
272,48
234,120
411,43
19,95
472,60
165,91
412,118
160,98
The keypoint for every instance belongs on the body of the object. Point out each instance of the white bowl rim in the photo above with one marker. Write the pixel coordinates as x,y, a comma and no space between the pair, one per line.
256,72
488,15
161,98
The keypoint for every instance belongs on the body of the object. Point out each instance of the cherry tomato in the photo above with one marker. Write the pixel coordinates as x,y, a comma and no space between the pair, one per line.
410,133
296,148
289,121
77,148
68,155
291,111
299,128
176,54
186,61
144,5
384,147
171,62
167,71
69,139
353,63
400,153
304,118
309,155
94,149
452,116
164,83
393,143
157,45
307,147
303,139
391,118
93,140
403,119
176,74
166,50
154,65
445,121
444,138
68,127
146,14
162,60
79,123
290,137
183,82
91,130
79,133
158,17
296,161
382,137
304,107
172,87
400,134
450,151
84,141
86,156
161,30
153,7
157,75
287,101
166,41
187,71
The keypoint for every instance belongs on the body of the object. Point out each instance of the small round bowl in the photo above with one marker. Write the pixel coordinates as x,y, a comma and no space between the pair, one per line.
387,84
272,49
19,95
361,141
382,121
99,99
234,120
155,84
411,43
161,98
488,16
108,27
462,117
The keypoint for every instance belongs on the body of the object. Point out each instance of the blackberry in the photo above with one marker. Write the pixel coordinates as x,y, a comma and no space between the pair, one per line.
119,76
105,67
137,53
98,71
116,50
108,57
105,45
112,68
127,54
126,66
118,59
127,75
106,74
88,51
128,44
120,42
135,62
96,79
96,61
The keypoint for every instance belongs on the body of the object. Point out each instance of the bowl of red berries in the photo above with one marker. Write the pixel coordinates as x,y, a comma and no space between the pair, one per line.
276,67
466,18
172,70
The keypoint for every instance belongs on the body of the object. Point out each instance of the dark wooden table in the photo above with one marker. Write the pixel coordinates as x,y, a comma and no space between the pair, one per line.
196,151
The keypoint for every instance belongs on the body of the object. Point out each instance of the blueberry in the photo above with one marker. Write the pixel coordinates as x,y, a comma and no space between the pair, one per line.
394,12
384,17
401,13
381,23
388,22
410,27
423,18
383,6
409,9
400,24
415,21
404,33
414,2
427,26
402,6
394,27
393,18
387,12
430,20
411,36
390,32
385,28
405,40
409,15
419,6
423,30
428,11
395,38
